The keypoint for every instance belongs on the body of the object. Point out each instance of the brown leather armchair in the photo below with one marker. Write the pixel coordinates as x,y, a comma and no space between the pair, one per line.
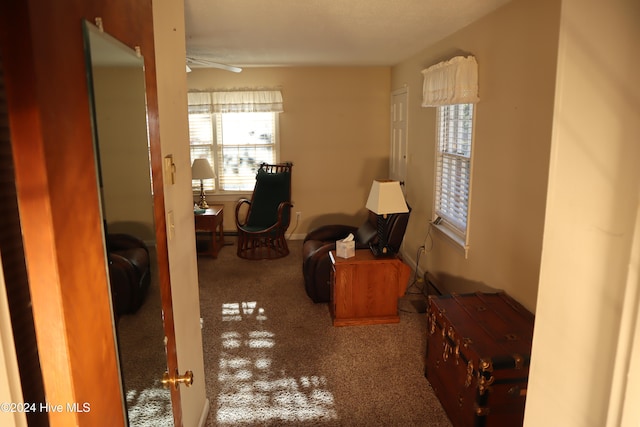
316,264
129,272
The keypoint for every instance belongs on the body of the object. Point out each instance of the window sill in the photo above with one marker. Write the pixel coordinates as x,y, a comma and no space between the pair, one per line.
453,238
227,196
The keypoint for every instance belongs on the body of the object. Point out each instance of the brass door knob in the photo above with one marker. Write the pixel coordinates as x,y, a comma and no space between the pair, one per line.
177,379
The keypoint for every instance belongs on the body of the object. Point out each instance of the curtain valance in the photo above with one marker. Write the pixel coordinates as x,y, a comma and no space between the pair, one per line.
256,101
451,82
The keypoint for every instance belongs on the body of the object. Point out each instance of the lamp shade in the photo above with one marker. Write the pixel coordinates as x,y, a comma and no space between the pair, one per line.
201,169
386,197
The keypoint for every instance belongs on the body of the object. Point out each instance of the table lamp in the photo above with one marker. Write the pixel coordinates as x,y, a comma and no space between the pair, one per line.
385,198
201,169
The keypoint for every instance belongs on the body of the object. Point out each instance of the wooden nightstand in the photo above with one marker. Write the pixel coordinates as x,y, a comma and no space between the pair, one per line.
211,222
365,289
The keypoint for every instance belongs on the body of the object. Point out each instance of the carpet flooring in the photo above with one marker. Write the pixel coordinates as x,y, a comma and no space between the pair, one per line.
273,358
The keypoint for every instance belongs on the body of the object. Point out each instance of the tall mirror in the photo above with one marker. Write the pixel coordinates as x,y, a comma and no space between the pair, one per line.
117,91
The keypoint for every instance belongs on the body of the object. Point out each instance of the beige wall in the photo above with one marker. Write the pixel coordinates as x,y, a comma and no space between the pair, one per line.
335,130
588,298
515,47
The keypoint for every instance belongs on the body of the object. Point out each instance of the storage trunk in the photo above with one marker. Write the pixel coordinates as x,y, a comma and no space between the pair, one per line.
477,361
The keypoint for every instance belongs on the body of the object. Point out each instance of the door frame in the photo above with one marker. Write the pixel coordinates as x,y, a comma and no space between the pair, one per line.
55,175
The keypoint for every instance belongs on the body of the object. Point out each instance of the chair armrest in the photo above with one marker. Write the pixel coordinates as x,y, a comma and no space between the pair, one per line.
330,233
283,207
238,206
121,241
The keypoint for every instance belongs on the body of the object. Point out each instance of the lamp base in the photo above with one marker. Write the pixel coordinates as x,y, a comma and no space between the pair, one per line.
202,204
380,248
381,251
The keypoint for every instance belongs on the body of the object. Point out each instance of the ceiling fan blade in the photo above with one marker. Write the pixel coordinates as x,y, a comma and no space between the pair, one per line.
203,63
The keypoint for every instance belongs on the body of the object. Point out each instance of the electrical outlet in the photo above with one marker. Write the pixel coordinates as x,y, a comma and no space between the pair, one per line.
298,215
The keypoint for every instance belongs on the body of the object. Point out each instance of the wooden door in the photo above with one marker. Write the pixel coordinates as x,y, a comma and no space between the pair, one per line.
55,177
398,155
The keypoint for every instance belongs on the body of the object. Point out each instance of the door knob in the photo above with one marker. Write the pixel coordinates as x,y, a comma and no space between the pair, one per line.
177,379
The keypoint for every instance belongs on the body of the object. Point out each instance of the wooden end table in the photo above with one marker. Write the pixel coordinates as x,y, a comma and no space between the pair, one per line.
211,221
365,289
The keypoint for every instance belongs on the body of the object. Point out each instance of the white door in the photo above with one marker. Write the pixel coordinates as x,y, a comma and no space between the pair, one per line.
398,155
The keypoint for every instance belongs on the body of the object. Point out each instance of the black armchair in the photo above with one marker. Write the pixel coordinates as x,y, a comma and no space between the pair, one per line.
316,264
129,272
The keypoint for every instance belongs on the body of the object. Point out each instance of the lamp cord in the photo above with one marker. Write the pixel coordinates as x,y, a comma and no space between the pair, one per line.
416,280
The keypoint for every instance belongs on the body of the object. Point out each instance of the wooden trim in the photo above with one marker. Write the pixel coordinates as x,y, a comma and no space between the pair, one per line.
15,274
48,104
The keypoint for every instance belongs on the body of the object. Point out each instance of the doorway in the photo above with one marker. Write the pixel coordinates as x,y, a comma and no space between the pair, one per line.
398,155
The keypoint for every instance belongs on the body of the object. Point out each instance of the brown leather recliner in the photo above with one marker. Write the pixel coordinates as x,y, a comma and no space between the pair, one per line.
316,264
129,272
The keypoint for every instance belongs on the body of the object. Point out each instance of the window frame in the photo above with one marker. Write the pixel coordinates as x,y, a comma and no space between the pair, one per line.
441,220
215,121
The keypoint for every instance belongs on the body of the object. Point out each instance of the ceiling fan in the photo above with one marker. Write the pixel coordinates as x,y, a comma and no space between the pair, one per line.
199,62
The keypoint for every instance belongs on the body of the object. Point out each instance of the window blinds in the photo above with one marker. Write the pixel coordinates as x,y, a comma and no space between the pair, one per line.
453,165
235,131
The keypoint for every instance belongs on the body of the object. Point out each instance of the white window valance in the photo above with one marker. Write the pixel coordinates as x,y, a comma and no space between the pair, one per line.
451,82
256,101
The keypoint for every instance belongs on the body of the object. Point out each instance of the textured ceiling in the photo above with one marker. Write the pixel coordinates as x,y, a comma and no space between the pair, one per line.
322,32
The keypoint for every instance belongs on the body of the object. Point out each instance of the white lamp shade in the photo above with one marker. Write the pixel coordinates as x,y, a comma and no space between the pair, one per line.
386,197
201,169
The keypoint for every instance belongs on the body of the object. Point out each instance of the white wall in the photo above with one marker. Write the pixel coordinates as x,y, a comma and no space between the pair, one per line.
168,23
584,324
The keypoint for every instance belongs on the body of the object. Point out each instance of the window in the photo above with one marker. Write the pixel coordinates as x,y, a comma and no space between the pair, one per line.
235,144
236,132
452,87
453,167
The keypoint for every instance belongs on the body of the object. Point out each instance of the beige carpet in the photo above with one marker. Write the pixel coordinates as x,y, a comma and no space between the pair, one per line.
273,358
143,361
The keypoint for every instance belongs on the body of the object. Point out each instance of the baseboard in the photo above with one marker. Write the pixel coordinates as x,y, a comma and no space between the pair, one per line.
296,237
205,413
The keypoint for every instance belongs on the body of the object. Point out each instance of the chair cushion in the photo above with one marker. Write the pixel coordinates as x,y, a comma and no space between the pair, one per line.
271,189
366,233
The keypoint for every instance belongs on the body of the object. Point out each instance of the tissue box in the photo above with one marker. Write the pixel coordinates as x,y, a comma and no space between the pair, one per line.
345,249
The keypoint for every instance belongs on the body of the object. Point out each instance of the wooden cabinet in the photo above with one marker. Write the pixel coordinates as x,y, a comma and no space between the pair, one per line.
210,223
365,289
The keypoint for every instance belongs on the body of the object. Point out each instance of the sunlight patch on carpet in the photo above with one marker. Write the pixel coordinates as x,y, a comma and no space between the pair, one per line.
251,390
234,312
149,407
